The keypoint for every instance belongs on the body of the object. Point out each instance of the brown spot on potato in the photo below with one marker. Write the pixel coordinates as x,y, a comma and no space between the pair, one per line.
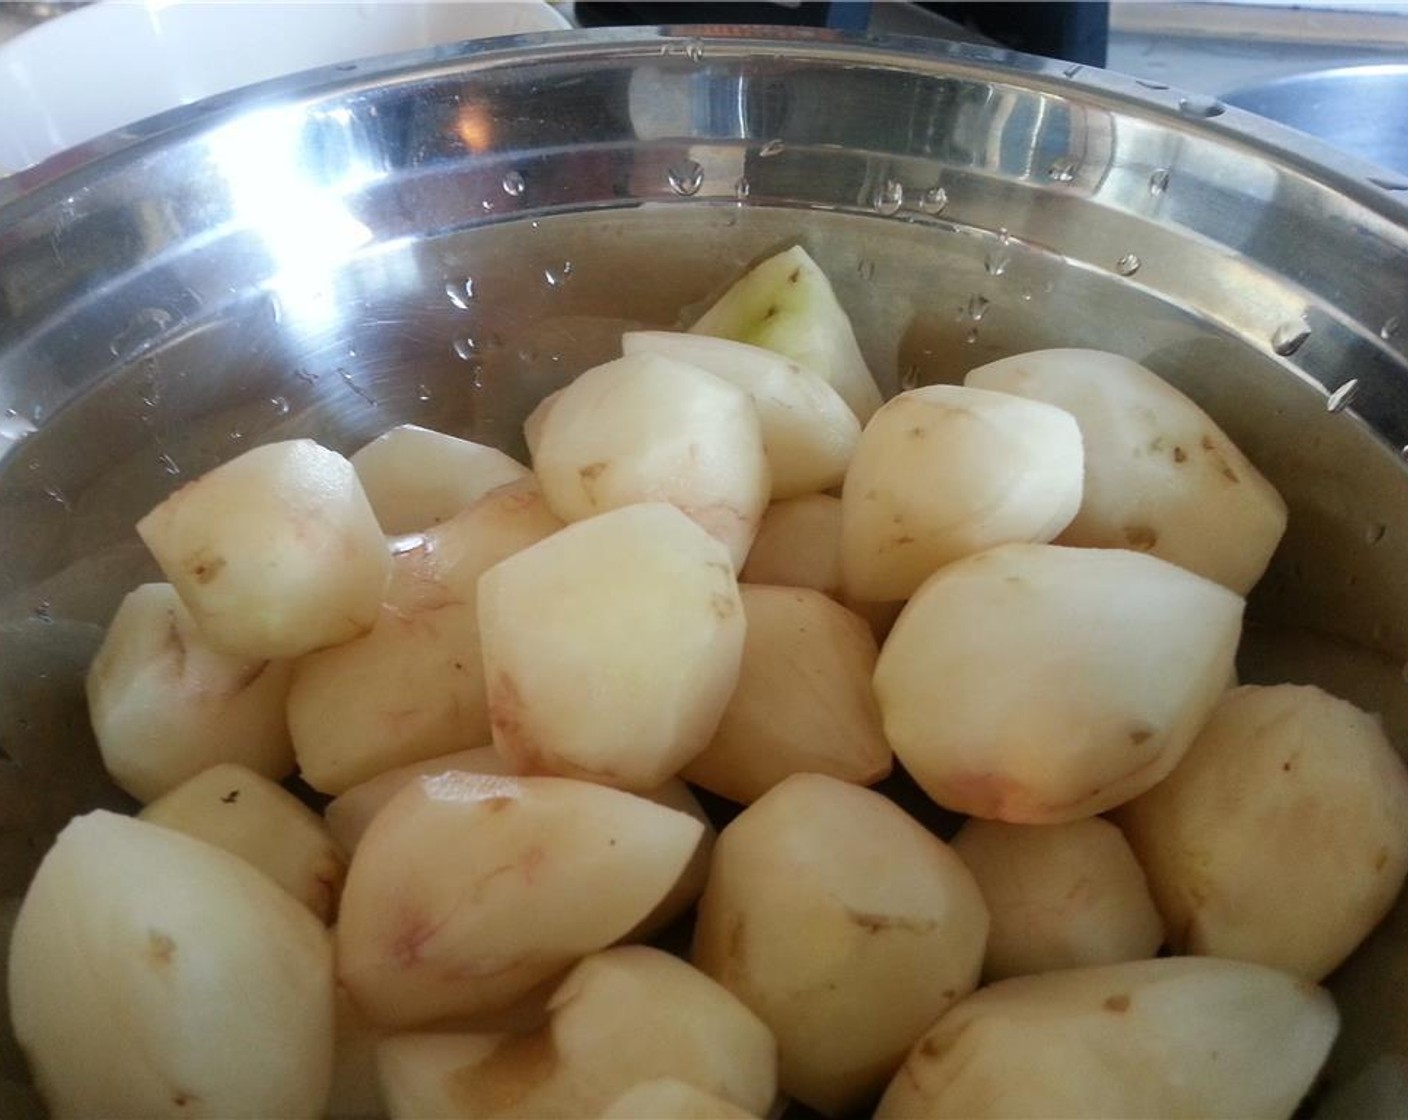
1287,766
795,275
1229,474
1179,455
507,720
497,804
736,947
182,1099
906,539
1140,735
204,567
880,923
160,947
506,1077
407,949
1118,1004
1140,537
950,993
588,476
1381,861
723,606
231,797
770,312
930,1047
1207,443
918,432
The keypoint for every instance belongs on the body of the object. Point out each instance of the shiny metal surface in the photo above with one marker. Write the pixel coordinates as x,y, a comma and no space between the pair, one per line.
442,238
1362,109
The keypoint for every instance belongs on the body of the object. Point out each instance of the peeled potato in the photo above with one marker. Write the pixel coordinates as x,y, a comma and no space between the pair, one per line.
1036,684
803,703
1160,476
1060,895
611,648
164,705
413,687
799,545
1282,836
416,478
275,553
943,472
1173,1038
622,1016
845,926
786,304
469,889
809,433
668,1098
249,816
155,975
648,429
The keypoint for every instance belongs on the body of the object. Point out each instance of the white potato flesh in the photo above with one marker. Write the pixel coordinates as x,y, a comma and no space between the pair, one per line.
943,472
164,705
275,553
416,478
648,429
470,889
1177,1037
351,813
612,647
155,975
799,545
846,926
622,1016
266,826
1059,895
1037,684
349,816
413,687
1282,836
804,701
809,432
668,1098
356,1090
786,304
1160,475
533,423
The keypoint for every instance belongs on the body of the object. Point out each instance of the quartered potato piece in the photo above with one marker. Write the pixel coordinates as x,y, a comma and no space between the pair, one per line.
416,478
275,553
1178,1037
164,705
786,304
1160,476
1282,836
1037,684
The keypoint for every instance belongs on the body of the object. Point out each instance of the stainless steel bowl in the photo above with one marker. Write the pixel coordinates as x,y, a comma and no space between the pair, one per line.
443,238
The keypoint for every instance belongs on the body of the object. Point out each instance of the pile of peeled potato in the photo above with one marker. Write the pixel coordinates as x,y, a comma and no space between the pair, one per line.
1029,592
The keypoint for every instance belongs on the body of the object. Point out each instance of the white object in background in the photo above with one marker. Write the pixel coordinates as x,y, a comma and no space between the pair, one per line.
117,61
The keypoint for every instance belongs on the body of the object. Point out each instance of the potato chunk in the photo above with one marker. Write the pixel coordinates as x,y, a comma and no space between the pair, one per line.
612,647
804,701
155,975
275,553
1174,1037
845,926
469,889
1282,836
1060,895
809,433
786,304
648,429
622,1016
943,472
164,705
416,478
1160,476
266,826
1038,684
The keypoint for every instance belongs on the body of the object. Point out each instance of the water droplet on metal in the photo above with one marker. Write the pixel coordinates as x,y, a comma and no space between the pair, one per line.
742,188
996,263
888,198
909,378
1375,533
865,269
422,392
14,427
235,435
1072,70
347,380
60,497
1202,107
1062,170
1026,295
971,337
513,184
933,200
276,309
477,380
1340,399
1390,328
771,148
460,292
464,348
1149,83
141,331
977,307
168,464
1290,337
280,405
686,178
1158,181
302,374
1128,264
556,277
694,50
43,611
487,205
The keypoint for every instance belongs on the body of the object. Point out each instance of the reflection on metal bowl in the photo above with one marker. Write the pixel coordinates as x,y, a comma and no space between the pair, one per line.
444,237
